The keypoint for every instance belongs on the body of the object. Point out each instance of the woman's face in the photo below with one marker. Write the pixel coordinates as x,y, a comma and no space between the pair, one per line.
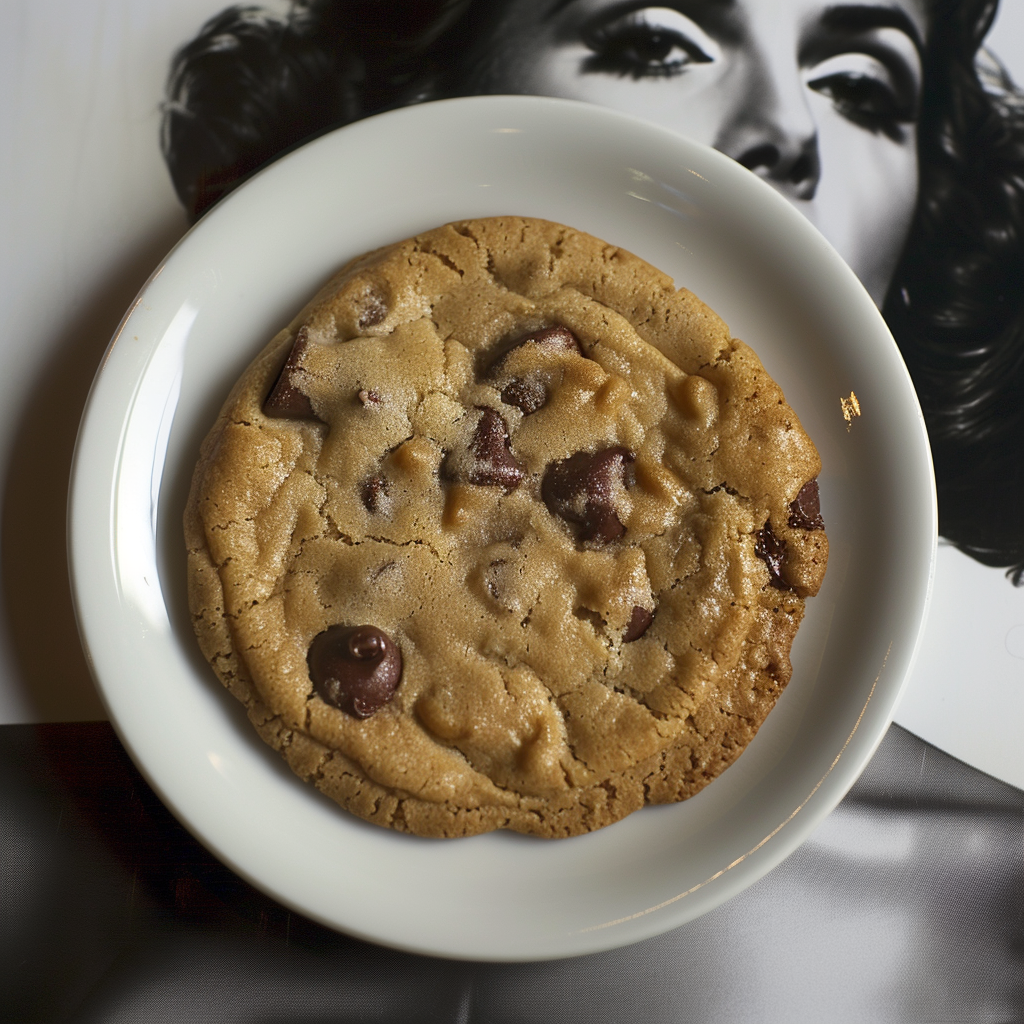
819,99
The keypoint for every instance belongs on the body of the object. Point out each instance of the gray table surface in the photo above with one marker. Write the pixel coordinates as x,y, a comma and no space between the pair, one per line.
906,904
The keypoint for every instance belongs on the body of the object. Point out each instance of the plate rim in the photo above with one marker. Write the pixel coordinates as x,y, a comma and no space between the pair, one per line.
80,575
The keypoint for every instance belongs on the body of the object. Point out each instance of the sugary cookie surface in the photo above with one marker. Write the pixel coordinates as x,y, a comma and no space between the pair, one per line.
503,531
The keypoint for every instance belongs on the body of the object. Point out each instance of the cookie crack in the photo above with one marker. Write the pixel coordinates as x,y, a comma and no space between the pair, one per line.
319,772
227,525
447,261
442,336
409,543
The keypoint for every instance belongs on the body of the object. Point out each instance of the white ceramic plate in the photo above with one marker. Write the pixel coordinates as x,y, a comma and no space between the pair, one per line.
244,271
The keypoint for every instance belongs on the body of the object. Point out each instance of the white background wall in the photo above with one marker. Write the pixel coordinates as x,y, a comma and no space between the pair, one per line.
1006,40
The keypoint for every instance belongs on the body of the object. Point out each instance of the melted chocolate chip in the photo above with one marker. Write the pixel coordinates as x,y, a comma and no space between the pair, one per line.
805,510
581,489
772,552
373,490
529,393
355,668
373,310
493,461
639,622
285,399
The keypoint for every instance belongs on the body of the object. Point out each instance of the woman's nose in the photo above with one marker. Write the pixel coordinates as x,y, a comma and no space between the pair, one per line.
791,164
772,131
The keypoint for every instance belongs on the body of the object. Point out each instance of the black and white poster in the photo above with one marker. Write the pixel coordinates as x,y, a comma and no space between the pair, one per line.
896,127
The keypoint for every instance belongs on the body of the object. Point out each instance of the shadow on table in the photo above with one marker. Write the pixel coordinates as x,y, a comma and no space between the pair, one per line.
906,904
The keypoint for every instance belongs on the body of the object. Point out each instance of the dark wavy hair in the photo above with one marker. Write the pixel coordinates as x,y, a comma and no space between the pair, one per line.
253,85
956,302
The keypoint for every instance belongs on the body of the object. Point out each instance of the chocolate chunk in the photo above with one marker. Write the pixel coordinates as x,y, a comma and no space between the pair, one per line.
772,552
285,399
530,392
355,668
373,310
373,490
639,621
581,489
527,394
493,462
805,510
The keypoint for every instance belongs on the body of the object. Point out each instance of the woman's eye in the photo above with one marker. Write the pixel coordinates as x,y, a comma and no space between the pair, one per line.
651,42
864,91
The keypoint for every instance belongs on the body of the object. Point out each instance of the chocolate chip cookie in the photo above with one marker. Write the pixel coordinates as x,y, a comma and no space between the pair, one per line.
504,531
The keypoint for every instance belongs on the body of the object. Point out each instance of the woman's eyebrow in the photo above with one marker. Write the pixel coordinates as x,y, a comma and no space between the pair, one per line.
866,17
